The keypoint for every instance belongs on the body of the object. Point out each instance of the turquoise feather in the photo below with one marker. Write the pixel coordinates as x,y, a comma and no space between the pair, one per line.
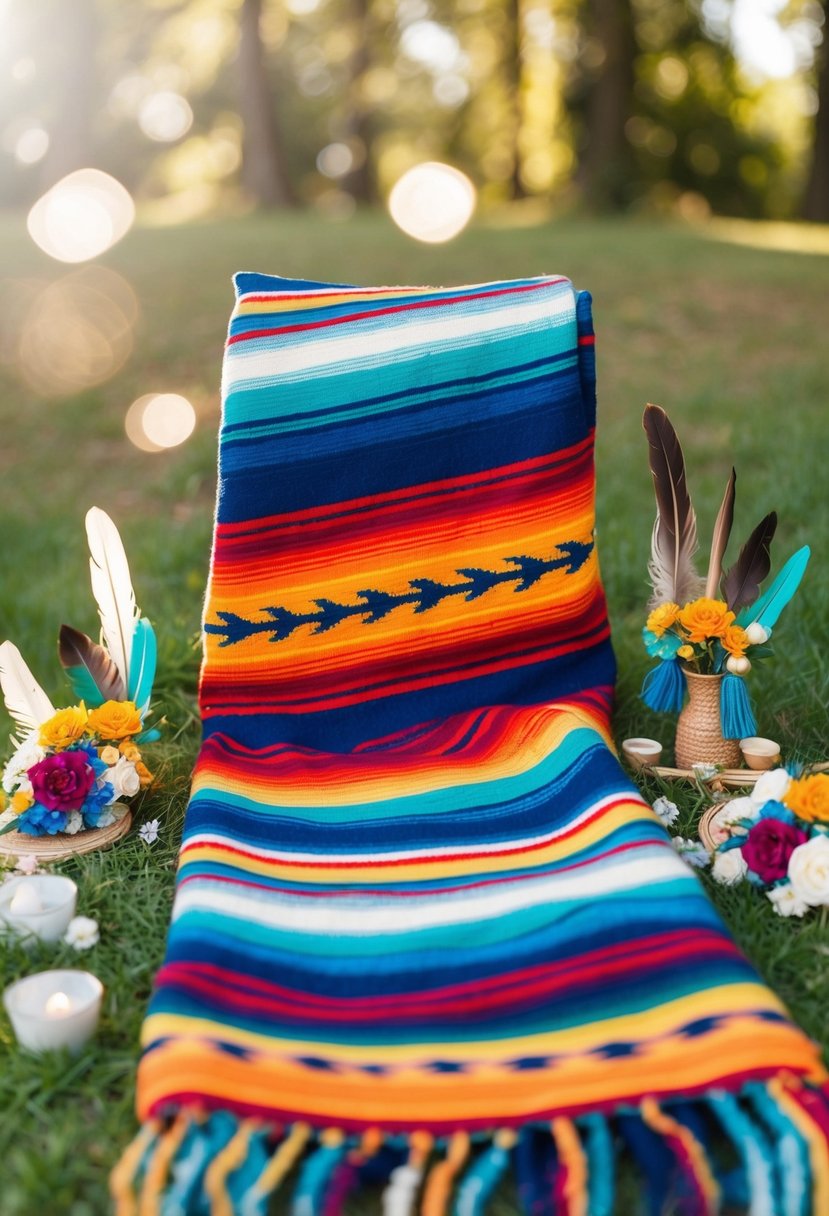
84,687
142,664
766,610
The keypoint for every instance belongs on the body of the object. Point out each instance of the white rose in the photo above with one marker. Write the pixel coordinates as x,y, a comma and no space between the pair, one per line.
729,867
124,778
786,901
771,787
809,871
29,753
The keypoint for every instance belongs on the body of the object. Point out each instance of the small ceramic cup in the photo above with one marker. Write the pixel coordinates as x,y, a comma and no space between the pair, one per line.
760,753
642,753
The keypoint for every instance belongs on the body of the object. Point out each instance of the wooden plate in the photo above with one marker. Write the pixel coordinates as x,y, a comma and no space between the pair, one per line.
61,846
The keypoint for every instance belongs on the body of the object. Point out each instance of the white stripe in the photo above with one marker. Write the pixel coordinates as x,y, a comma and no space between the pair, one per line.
287,358
375,916
448,850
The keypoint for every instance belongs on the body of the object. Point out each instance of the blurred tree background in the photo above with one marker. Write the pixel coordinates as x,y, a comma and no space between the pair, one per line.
196,106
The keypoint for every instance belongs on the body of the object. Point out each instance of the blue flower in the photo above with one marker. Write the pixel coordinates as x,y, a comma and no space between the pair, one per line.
776,810
664,647
95,762
98,799
38,820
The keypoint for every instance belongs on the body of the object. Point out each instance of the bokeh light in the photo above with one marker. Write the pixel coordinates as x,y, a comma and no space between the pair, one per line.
432,202
157,421
82,215
335,160
165,116
76,332
31,146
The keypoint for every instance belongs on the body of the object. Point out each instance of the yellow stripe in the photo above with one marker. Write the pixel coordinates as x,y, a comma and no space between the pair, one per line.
158,1168
571,1153
815,1140
283,1159
644,1027
123,1174
229,1159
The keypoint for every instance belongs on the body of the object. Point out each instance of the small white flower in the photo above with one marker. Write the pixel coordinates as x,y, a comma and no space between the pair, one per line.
704,772
149,831
809,871
27,864
786,901
74,823
771,786
124,778
29,753
729,867
667,811
82,933
757,635
692,852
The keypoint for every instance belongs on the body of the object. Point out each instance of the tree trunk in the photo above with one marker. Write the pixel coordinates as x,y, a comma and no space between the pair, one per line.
816,198
605,161
359,125
75,30
264,175
513,64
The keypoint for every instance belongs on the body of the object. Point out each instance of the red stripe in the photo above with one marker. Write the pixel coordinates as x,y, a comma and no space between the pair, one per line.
369,315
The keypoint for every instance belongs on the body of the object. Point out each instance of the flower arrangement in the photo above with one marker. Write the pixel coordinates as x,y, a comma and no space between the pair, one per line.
778,840
72,772
690,628
73,768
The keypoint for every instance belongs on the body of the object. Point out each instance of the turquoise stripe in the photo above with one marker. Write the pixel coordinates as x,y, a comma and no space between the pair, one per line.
561,766
505,927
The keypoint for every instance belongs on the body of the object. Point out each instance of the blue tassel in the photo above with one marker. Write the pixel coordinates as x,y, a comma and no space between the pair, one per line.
664,688
735,709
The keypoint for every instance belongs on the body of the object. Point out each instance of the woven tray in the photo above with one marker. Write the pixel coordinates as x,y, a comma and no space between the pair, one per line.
733,778
61,846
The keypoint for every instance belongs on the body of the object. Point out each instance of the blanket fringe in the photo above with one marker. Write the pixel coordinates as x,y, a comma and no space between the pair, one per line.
195,1164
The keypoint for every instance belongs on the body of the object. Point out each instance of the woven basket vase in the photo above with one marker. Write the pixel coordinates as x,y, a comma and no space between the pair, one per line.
699,737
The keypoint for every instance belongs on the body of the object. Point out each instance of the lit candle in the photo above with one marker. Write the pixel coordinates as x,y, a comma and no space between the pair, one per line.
37,906
54,1009
58,1005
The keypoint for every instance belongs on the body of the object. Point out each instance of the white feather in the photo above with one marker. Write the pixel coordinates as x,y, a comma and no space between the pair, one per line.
26,701
673,575
112,588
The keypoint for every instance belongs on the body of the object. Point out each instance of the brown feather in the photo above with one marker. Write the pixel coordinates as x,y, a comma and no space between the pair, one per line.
741,584
674,542
719,541
75,649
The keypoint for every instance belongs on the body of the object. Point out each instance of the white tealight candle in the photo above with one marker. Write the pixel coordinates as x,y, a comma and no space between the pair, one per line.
37,906
24,900
54,1009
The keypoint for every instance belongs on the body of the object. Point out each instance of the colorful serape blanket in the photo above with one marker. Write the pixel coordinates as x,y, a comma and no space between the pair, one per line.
425,929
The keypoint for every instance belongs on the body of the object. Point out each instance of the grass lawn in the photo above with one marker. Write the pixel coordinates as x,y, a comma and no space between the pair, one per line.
727,337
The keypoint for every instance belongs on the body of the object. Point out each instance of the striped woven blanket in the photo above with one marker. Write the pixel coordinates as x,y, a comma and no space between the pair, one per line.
425,929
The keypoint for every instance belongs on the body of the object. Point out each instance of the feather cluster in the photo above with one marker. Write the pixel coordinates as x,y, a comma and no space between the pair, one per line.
120,667
672,570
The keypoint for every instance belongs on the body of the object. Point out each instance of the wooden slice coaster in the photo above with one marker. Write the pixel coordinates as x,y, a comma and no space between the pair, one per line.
61,846
709,823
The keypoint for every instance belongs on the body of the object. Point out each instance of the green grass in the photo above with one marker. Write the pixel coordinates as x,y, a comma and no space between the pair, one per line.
728,338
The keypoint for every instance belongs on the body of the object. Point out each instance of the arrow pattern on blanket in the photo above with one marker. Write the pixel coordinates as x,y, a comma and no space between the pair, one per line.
423,594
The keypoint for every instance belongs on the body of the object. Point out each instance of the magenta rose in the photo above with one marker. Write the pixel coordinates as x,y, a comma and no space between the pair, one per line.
62,782
768,847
